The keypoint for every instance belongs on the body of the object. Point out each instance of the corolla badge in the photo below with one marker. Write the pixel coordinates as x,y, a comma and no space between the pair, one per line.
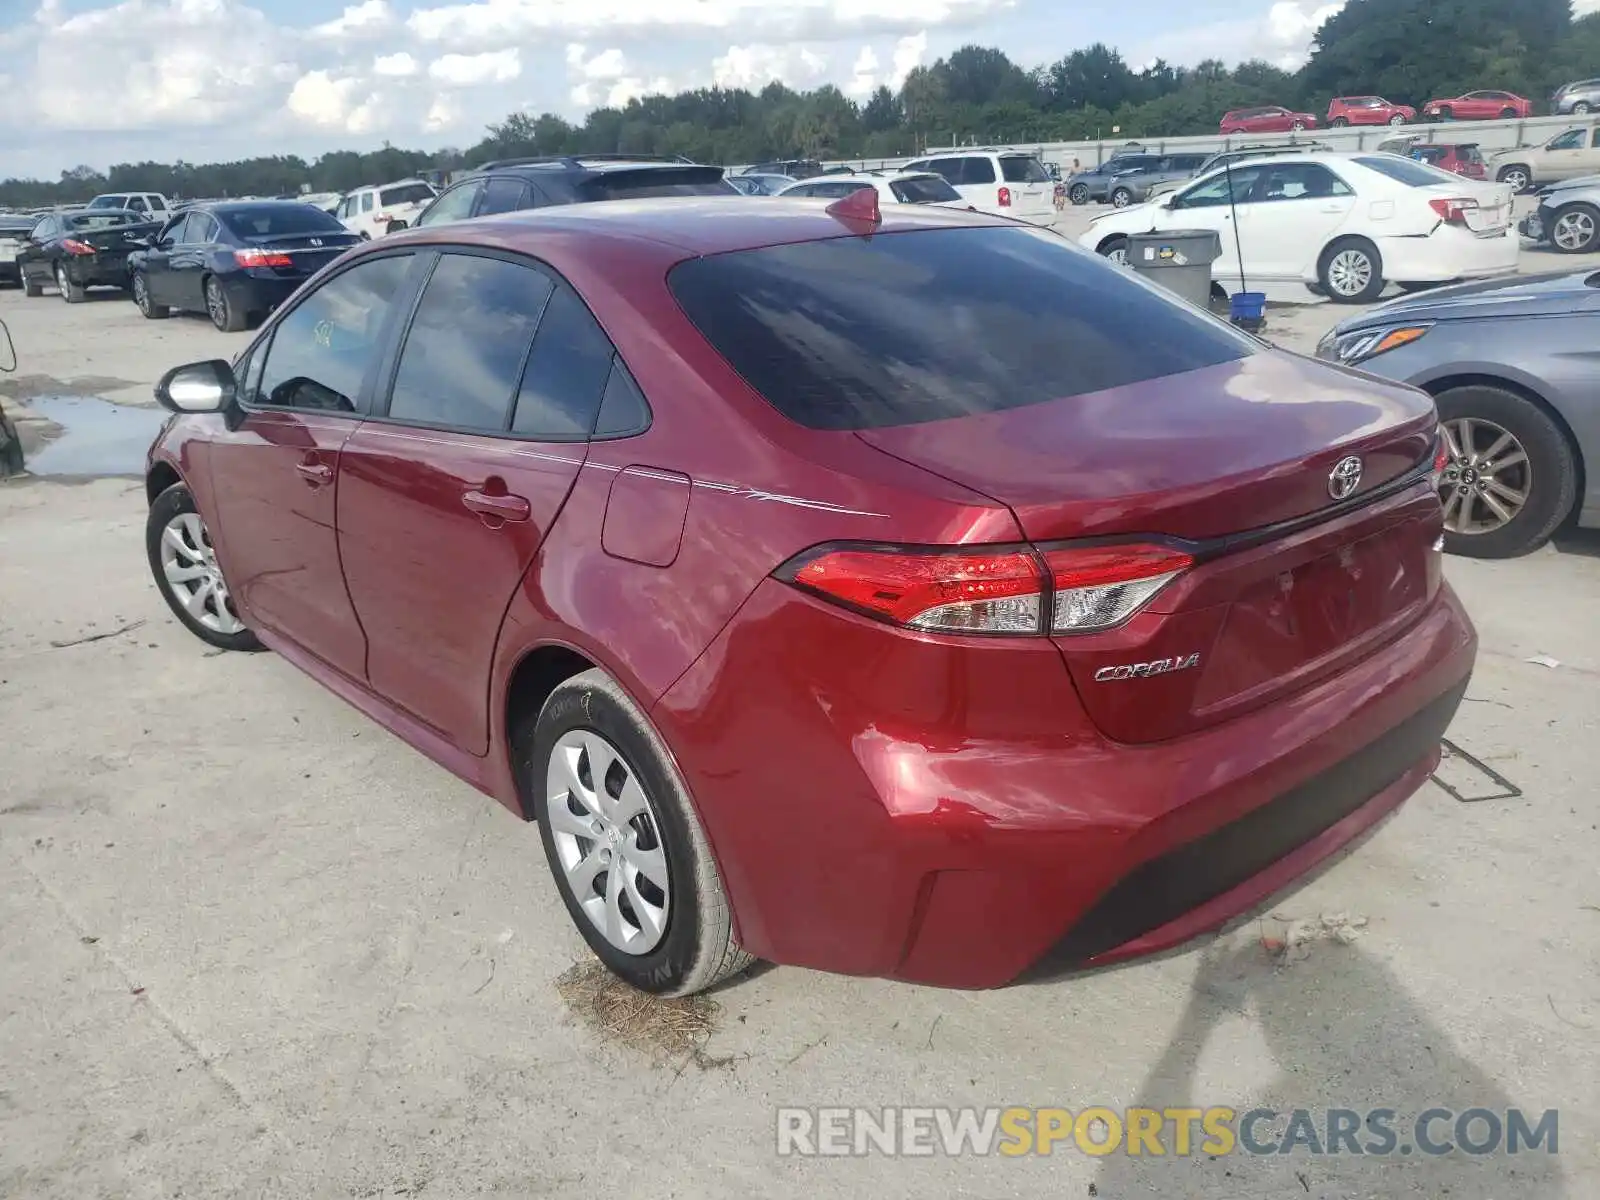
1145,670
1345,478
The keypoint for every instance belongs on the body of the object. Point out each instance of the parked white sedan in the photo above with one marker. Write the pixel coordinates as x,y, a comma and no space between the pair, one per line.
893,187
1347,224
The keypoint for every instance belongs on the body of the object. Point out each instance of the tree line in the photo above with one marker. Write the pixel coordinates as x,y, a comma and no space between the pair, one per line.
1406,50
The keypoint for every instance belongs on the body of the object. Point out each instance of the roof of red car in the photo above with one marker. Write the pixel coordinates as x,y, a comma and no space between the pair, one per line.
692,226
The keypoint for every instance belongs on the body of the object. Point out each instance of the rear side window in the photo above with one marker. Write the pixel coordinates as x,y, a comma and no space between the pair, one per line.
859,333
928,190
1407,171
467,343
405,193
1017,168
566,375
977,170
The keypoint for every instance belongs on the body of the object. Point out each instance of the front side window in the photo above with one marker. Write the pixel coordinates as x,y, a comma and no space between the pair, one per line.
1227,187
321,352
1573,139
927,325
467,343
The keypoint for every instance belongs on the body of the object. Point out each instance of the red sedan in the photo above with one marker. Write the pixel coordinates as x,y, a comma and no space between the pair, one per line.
1479,106
1266,120
904,593
1368,110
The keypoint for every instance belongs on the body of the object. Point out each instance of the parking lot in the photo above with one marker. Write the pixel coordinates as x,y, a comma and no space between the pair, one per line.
256,946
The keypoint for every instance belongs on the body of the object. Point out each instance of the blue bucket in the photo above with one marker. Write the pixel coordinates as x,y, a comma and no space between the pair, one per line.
1248,310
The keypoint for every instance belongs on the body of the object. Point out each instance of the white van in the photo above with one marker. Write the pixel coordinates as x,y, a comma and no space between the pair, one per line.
1007,183
374,211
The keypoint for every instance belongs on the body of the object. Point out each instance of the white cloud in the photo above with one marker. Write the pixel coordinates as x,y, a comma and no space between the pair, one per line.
608,79
332,103
370,17
395,66
864,75
908,55
472,70
756,66
1281,35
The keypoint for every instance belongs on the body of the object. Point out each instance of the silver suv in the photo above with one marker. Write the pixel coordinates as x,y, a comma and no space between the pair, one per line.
1579,98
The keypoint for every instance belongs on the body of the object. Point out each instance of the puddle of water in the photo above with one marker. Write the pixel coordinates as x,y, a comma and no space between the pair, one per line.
98,437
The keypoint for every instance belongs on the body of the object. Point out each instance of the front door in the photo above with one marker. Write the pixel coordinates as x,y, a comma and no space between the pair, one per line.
1294,211
448,491
1206,205
275,477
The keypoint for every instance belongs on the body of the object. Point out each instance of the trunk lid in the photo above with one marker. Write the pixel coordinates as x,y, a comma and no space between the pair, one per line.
308,252
1217,457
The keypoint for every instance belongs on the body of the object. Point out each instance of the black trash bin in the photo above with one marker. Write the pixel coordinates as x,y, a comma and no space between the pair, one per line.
1179,260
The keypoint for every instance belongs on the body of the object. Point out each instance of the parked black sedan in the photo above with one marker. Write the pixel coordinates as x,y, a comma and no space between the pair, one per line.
79,250
235,260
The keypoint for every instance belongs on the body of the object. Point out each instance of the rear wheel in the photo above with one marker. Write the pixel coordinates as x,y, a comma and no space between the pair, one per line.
1116,249
1340,122
1512,476
1576,229
1518,176
30,287
1351,271
222,313
628,853
1121,198
1079,194
141,296
71,292
1581,108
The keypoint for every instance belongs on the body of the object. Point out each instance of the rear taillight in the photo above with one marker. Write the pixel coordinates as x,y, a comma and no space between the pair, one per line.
262,258
1005,197
1016,591
1453,212
74,246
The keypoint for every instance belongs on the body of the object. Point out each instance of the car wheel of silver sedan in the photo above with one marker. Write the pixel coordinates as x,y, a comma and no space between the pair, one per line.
184,564
1511,475
624,843
1576,229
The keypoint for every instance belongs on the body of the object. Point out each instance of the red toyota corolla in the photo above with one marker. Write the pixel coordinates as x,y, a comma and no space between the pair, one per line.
912,595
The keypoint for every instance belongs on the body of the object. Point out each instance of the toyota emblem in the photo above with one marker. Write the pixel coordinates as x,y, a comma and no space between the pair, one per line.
1345,478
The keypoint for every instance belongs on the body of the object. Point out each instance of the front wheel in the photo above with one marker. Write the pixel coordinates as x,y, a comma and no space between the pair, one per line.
1298,126
1397,119
1576,229
1581,109
1116,249
1351,272
1518,176
629,856
187,575
1121,198
1508,114
1447,114
1511,478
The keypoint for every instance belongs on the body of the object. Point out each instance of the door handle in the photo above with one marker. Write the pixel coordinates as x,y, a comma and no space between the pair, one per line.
1333,208
507,508
315,473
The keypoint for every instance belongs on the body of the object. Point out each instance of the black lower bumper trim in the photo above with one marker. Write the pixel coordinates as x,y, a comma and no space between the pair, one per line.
1185,878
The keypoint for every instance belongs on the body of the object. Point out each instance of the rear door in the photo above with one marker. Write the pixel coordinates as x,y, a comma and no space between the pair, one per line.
448,491
276,473
1294,211
187,261
504,194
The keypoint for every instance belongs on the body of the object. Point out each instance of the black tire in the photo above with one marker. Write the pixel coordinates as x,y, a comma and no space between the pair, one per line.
71,292
1079,194
1581,109
30,288
222,313
1111,245
1552,470
1511,173
1121,198
1577,212
1422,286
1375,281
697,949
1508,114
1341,122
140,286
171,503
1397,119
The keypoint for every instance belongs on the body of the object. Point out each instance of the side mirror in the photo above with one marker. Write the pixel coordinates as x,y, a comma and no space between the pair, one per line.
197,387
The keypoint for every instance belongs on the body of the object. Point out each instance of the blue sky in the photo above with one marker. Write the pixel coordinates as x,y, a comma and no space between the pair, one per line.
101,81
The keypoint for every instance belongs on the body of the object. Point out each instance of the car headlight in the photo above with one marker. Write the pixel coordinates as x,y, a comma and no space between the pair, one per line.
1361,344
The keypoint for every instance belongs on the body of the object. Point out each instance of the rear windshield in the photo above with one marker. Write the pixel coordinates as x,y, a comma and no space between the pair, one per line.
1017,168
860,333
658,181
930,189
278,220
1407,171
104,219
109,202
405,193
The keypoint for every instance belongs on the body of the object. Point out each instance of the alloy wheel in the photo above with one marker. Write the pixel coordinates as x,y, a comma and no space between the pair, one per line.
216,304
1350,272
141,294
607,837
1488,480
62,285
1119,256
1397,119
1574,232
1581,108
1080,194
190,566
1121,198
1517,178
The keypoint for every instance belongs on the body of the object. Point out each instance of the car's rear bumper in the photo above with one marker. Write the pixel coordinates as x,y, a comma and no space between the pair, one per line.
97,270
258,294
1449,253
881,804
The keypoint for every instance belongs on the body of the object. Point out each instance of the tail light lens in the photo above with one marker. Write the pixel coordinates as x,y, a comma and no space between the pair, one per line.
1005,197
1011,591
262,258
74,246
1453,212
